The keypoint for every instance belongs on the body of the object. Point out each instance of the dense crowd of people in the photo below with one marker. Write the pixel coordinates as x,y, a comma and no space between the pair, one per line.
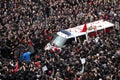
28,25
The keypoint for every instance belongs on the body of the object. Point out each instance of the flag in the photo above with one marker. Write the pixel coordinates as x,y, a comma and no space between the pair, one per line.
84,28
16,67
37,64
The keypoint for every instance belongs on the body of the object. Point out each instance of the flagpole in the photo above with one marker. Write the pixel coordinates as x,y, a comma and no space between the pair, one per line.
86,32
86,35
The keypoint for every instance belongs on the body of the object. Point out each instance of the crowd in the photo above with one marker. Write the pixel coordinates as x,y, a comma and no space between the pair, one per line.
28,25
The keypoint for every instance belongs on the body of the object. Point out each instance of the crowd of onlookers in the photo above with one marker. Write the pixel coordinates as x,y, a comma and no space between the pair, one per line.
28,25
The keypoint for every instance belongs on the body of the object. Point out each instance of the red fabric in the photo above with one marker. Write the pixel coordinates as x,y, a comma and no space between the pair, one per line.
49,37
16,67
30,43
108,30
84,28
91,2
92,34
37,64
56,49
78,79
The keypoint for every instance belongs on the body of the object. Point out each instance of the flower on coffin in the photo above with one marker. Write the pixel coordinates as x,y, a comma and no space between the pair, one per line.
90,28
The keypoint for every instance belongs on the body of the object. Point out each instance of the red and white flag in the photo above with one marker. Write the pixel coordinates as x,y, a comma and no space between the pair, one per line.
84,28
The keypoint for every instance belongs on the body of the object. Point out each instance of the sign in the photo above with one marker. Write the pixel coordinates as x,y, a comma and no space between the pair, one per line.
44,68
83,60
